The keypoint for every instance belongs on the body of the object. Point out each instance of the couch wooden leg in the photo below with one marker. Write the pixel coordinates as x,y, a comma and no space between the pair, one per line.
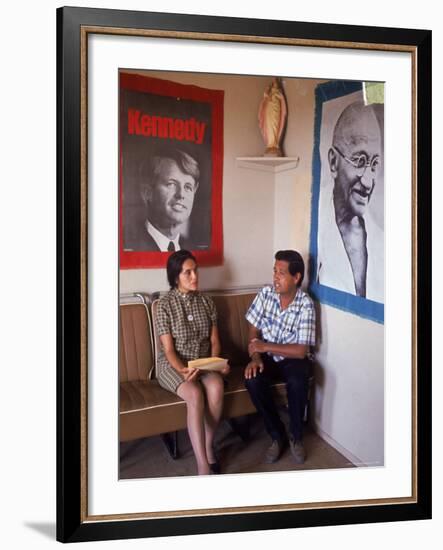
171,443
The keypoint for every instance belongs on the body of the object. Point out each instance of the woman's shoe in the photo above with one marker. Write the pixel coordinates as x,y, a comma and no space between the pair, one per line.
215,468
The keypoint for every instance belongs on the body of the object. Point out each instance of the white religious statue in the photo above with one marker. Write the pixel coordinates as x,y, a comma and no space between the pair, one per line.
272,115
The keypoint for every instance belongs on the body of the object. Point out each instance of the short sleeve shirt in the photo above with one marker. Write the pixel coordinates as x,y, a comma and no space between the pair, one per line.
293,325
189,319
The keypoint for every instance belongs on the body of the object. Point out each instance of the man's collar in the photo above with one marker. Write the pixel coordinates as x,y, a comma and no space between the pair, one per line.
161,240
294,301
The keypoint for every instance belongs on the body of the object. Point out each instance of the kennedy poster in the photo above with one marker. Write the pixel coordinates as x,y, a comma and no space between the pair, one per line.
347,235
171,162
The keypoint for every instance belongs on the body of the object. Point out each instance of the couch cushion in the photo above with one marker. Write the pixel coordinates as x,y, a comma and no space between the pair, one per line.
147,409
136,349
138,394
232,325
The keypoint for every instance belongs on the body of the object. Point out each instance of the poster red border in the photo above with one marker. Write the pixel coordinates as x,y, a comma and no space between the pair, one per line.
214,255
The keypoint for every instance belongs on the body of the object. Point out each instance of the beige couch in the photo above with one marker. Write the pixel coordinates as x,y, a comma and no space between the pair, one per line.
146,409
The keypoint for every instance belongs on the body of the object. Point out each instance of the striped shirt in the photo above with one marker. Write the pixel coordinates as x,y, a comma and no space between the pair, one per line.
293,325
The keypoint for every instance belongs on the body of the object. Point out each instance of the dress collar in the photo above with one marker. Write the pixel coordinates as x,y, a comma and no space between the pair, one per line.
183,295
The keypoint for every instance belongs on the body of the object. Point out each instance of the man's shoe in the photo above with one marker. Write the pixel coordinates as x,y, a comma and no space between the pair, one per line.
298,451
274,452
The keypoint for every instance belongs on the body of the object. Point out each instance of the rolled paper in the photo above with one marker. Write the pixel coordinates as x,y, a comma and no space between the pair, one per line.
208,363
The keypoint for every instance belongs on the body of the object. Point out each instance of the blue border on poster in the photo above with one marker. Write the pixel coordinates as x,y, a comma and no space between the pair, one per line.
324,294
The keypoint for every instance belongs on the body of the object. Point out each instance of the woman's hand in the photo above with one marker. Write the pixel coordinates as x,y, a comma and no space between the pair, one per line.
190,374
225,370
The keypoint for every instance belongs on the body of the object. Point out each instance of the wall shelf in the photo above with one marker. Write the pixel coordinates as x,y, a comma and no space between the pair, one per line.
274,165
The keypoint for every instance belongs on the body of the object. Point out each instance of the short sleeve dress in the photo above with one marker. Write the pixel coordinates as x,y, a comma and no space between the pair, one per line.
189,319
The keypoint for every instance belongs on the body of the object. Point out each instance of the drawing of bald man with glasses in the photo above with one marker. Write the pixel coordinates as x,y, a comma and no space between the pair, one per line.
351,245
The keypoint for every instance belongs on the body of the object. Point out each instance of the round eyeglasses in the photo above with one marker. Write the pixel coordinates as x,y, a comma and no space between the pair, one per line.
361,161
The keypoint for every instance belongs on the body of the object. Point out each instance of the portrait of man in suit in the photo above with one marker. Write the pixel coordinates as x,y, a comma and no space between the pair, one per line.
168,184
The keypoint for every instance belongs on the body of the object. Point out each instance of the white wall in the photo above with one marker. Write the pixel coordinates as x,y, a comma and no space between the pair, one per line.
349,385
28,278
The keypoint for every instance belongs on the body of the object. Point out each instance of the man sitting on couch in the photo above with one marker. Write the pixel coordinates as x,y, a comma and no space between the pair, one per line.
281,331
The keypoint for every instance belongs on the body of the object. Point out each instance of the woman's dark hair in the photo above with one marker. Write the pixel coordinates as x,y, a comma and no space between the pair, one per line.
175,264
295,262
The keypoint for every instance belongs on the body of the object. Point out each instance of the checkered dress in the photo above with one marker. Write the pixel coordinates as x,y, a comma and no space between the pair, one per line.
189,319
293,325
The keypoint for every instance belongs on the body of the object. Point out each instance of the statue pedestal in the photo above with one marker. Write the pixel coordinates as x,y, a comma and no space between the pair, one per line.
273,152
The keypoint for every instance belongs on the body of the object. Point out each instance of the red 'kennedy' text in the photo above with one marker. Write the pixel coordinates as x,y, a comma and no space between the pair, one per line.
165,127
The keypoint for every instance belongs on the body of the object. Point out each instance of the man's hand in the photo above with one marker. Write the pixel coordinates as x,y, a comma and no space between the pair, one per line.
254,366
256,346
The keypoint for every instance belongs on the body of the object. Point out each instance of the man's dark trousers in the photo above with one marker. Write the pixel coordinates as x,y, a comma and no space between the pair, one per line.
295,373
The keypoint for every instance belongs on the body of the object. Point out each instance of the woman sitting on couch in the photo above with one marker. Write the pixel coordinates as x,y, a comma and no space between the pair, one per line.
186,323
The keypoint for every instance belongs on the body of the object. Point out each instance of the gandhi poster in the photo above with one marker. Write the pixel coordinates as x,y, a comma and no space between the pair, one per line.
347,238
170,171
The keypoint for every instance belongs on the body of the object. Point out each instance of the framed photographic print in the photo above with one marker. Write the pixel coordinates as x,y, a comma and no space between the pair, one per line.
133,88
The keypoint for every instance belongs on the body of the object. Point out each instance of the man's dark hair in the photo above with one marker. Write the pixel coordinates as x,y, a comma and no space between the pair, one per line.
152,166
175,264
295,262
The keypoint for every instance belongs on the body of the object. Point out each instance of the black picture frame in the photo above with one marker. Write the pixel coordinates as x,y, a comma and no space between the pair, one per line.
73,522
